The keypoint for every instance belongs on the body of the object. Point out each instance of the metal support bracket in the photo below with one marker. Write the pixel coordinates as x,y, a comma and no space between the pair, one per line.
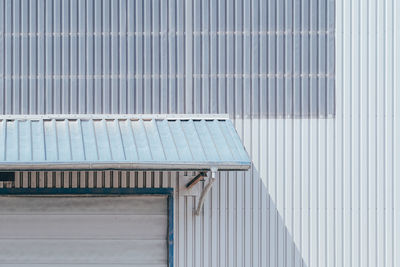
206,190
189,184
195,180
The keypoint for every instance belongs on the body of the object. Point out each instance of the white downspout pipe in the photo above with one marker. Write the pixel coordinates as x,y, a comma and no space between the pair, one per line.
206,190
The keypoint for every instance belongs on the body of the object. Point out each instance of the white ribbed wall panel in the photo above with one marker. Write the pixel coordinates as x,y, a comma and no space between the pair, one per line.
323,192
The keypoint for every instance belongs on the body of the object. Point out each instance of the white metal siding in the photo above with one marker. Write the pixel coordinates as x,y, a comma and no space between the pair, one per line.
79,231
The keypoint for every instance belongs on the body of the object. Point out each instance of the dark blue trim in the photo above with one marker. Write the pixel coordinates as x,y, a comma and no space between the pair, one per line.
84,191
170,230
109,191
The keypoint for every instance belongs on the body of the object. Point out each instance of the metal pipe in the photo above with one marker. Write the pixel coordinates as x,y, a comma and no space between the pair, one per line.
206,190
203,195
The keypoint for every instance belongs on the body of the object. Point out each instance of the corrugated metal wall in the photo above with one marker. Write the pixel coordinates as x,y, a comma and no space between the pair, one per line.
323,192
124,56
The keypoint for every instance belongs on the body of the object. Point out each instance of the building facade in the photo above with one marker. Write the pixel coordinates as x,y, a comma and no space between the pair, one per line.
309,85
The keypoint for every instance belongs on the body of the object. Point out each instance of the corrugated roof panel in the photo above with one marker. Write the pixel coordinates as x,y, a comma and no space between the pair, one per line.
128,140
195,143
232,146
63,140
25,140
119,142
38,146
3,134
103,141
180,140
77,146
156,147
167,140
141,140
206,139
219,139
10,141
116,145
89,140
50,139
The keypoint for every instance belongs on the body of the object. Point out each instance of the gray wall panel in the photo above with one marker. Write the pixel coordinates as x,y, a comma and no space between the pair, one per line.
87,54
80,230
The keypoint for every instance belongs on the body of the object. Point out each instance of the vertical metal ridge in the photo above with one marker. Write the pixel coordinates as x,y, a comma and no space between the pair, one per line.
92,129
229,145
186,139
106,131
82,138
68,133
54,126
117,125
131,135
42,138
155,125
3,139
30,140
146,139
198,138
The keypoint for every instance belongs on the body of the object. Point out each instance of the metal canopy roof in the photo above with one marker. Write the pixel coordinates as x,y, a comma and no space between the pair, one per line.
162,142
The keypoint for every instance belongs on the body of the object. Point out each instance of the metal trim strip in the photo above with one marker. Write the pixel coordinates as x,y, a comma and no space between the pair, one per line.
159,166
116,117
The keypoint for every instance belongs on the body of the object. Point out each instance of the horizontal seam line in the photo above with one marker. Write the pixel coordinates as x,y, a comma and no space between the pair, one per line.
112,33
155,76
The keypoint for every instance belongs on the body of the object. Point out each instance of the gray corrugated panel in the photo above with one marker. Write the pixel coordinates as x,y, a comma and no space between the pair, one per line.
125,142
54,231
101,56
